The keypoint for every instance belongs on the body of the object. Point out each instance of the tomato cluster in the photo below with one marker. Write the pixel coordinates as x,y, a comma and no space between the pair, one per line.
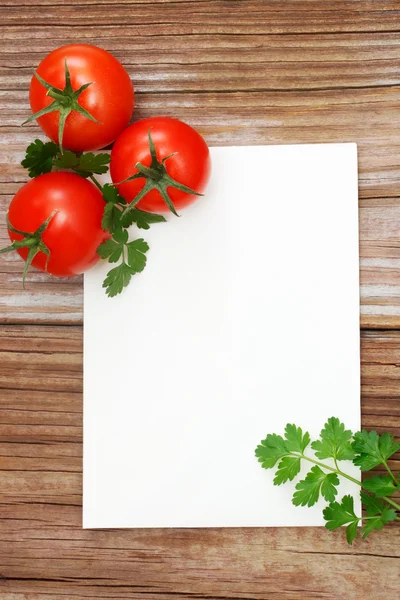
64,220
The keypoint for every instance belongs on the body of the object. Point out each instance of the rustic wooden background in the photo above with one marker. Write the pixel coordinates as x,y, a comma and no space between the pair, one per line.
242,72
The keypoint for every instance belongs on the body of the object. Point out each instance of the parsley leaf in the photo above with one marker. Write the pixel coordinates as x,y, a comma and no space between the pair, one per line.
334,442
142,219
337,515
288,468
111,250
366,449
271,450
66,160
117,279
90,164
372,449
316,482
85,164
111,220
295,440
136,254
380,485
133,260
378,514
112,215
111,195
39,157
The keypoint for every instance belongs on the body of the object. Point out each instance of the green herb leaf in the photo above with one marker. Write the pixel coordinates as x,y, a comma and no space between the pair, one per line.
295,441
288,468
142,219
271,450
379,514
39,157
110,194
373,450
337,515
334,442
66,160
136,254
117,279
316,482
93,164
86,164
380,485
351,532
121,236
111,250
111,220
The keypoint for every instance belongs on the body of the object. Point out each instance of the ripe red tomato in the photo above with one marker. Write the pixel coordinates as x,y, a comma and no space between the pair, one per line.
73,233
190,165
109,98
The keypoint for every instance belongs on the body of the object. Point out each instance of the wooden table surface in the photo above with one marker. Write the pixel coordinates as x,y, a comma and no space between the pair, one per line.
241,72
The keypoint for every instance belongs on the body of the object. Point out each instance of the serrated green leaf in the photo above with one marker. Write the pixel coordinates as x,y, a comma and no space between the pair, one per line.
121,236
379,513
295,441
316,482
338,514
117,279
39,157
373,449
136,254
66,160
380,485
111,220
334,442
111,250
351,532
142,219
93,164
110,194
271,450
288,468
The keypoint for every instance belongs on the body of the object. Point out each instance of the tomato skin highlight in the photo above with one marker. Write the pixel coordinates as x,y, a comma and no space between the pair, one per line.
191,165
74,232
110,98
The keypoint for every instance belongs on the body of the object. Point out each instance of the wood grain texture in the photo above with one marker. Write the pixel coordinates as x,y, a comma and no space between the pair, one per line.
242,72
45,554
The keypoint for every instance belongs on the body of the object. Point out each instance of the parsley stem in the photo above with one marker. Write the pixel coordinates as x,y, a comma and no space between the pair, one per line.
389,470
392,502
96,183
338,471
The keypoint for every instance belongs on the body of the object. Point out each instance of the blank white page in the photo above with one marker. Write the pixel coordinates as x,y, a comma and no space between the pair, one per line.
245,318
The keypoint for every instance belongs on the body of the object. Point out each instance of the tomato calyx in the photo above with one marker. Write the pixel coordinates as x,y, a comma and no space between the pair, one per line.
64,101
32,241
157,178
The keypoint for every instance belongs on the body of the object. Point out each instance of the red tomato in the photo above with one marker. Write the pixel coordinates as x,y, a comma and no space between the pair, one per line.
190,165
74,232
109,98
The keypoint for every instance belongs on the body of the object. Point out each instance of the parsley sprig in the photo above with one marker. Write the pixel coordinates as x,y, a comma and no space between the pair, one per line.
43,157
366,449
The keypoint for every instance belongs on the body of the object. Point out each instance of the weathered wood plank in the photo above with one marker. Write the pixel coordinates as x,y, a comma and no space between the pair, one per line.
217,16
44,553
205,63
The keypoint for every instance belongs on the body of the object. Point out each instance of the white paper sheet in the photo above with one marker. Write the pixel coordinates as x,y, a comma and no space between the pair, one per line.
245,318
